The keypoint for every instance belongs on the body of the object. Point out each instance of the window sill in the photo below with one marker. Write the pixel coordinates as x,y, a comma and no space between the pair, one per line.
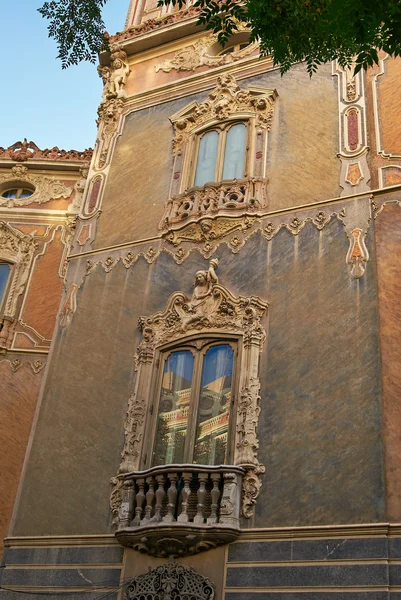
178,510
225,198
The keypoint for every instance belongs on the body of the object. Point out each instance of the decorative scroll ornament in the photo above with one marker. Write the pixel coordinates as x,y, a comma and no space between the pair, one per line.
238,196
358,254
69,306
209,230
198,54
224,101
116,497
16,363
45,188
17,249
22,151
133,427
171,581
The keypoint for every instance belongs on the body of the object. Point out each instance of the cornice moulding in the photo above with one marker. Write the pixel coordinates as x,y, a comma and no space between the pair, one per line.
267,215
107,539
322,531
138,42
199,82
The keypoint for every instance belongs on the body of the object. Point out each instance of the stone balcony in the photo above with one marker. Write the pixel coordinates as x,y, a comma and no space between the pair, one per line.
227,198
176,510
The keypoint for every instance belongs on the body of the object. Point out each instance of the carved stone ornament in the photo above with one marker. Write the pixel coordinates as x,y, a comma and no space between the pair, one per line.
45,188
225,101
208,230
16,249
171,581
199,54
238,196
22,151
110,109
210,309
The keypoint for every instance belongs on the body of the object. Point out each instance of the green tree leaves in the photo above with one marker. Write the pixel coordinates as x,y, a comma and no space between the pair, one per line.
314,31
78,29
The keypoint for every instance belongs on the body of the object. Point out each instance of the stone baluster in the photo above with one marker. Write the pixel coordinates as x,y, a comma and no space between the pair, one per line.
150,498
199,517
215,493
127,505
140,500
186,490
172,497
161,480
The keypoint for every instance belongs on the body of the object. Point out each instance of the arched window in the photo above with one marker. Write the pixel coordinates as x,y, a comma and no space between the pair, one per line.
194,401
221,154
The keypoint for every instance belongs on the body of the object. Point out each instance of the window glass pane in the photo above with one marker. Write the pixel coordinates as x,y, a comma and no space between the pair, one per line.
4,275
214,406
206,166
172,418
10,194
234,155
25,193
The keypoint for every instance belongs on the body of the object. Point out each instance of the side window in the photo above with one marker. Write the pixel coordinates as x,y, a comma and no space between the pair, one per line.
5,271
195,395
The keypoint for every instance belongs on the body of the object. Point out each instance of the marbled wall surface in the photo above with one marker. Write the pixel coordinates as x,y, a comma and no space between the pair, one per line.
18,392
388,238
302,147
320,424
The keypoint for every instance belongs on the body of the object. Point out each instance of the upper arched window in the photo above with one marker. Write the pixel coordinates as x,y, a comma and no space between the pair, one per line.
221,154
220,148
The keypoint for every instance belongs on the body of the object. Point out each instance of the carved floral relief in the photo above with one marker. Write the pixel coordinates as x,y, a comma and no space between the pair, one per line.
200,53
45,188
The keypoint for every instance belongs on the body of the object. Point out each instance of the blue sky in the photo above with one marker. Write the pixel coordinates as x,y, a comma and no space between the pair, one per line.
39,100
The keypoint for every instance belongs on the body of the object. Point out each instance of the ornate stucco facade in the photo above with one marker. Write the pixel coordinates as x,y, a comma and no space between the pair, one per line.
36,232
291,266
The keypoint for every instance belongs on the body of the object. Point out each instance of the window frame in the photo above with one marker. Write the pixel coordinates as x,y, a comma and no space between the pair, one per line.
222,129
20,189
3,299
198,345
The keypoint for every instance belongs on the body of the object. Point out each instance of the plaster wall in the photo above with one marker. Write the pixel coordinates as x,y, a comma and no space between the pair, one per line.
320,424
302,163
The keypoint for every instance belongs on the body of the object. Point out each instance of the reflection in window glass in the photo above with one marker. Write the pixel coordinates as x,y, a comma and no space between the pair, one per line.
17,193
25,193
4,275
234,156
10,194
207,155
172,418
214,406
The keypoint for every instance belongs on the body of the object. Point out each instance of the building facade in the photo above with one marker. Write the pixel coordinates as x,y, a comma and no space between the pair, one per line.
40,195
219,413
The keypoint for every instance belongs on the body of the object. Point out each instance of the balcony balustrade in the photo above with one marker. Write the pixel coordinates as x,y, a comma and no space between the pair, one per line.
226,198
175,510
